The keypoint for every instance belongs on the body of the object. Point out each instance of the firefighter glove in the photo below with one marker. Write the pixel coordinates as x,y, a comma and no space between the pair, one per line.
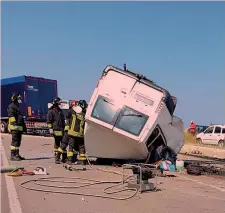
51,131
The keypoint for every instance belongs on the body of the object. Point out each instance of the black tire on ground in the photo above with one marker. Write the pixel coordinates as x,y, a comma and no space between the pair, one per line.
4,127
221,143
199,140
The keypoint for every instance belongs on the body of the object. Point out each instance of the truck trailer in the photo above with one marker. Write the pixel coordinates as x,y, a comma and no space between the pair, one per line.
129,117
36,93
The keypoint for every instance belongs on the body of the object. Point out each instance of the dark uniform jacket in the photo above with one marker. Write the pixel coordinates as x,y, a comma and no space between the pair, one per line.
75,123
16,121
56,120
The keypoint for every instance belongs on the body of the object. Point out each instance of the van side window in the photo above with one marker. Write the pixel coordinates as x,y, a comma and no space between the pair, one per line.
223,131
217,130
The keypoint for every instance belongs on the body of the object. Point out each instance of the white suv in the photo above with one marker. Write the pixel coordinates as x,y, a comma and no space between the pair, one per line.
213,135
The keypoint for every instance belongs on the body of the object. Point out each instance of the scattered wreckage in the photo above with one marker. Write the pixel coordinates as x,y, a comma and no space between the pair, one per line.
129,117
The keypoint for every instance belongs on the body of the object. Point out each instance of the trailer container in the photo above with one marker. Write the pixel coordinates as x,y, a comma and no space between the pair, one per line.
37,93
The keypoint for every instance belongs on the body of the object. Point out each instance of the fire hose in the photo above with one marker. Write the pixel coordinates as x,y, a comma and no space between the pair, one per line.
89,182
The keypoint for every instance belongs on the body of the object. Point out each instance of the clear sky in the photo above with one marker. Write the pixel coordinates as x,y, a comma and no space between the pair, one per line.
179,45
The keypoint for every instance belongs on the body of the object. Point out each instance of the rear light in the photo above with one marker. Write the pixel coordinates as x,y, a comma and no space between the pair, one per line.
30,124
29,112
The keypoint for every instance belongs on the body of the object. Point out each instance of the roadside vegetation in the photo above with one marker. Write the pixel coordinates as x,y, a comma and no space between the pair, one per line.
189,138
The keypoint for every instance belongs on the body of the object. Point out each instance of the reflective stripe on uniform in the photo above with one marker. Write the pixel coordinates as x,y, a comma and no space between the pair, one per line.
82,157
12,124
49,126
66,127
81,118
55,150
73,133
73,122
60,150
14,127
70,154
14,148
12,119
58,133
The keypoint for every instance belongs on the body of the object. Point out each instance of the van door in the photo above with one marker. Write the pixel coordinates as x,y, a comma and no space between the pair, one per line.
207,136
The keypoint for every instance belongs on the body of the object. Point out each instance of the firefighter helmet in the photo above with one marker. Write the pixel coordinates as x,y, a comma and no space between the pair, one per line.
83,104
57,101
73,103
16,97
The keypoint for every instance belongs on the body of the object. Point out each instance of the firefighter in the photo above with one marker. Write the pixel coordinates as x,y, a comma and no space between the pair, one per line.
192,128
65,140
56,123
76,132
16,126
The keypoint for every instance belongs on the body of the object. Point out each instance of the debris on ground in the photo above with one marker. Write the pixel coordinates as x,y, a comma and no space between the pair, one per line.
19,172
40,171
205,168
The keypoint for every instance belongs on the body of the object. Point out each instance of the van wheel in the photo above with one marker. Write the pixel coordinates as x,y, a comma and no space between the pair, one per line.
221,144
4,127
199,140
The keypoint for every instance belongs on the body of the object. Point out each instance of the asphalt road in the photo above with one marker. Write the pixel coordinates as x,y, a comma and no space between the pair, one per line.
183,193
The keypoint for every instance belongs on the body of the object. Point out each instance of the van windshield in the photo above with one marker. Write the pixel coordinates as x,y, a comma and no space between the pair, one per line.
128,119
104,110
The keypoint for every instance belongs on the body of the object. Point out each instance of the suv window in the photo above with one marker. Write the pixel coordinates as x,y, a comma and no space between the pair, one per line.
223,131
209,130
217,130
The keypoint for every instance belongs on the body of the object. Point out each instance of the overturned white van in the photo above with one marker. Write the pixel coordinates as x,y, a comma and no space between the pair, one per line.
129,117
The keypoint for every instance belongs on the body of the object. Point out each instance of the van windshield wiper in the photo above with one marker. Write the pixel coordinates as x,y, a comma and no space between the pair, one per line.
136,115
108,102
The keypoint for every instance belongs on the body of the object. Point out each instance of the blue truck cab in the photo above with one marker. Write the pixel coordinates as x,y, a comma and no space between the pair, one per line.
36,92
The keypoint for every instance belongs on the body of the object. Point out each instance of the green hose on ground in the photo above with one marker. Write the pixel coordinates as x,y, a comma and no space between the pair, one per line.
10,169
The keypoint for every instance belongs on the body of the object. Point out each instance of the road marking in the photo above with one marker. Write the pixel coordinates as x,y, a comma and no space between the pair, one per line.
24,136
14,203
199,182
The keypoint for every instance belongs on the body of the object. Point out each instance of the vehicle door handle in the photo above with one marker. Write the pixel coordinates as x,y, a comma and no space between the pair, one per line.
218,135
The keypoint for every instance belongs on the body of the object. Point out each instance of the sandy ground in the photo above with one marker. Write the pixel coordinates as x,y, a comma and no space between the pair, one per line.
177,194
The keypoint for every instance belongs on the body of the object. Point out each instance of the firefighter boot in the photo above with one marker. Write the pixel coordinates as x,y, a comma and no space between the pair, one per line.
64,157
57,157
82,160
70,160
14,157
18,155
74,158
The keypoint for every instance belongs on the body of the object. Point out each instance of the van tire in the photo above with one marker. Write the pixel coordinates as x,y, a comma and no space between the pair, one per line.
4,127
221,144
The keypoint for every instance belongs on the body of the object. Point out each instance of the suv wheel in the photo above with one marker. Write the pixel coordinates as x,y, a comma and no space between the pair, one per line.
221,144
199,140
4,127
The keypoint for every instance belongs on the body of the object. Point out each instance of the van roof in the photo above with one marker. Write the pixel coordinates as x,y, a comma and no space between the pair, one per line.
170,101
